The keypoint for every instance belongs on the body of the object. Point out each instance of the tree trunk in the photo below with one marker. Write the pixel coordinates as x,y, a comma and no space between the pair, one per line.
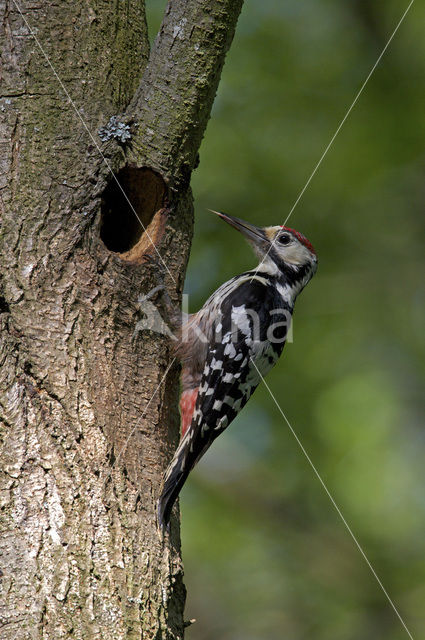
88,411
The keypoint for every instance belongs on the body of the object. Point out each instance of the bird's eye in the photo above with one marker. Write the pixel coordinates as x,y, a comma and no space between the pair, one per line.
284,238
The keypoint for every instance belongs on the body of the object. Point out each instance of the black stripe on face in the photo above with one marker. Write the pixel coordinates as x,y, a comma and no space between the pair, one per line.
292,273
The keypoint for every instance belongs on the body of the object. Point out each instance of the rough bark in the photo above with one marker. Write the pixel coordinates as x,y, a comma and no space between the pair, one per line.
88,411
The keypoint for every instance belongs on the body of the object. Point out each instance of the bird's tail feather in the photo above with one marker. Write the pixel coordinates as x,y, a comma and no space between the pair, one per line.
170,492
176,475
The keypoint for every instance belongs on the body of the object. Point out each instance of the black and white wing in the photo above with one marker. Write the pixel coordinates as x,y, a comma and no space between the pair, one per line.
241,349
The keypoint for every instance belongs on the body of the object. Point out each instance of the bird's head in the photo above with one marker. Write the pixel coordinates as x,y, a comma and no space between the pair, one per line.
280,248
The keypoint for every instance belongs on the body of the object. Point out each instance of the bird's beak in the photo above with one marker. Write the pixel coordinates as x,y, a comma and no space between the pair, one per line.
252,233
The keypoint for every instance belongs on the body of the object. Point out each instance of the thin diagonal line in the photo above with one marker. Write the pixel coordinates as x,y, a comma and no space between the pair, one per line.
125,446
338,510
348,112
108,475
64,89
144,413
341,124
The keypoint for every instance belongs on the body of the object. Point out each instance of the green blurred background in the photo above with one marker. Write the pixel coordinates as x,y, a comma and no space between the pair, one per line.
266,555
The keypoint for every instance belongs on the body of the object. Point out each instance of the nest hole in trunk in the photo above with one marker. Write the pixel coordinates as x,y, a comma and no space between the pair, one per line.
132,212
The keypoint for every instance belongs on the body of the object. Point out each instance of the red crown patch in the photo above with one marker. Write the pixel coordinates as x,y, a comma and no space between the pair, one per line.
301,238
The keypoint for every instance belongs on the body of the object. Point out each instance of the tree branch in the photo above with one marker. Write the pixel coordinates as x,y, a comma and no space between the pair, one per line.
173,102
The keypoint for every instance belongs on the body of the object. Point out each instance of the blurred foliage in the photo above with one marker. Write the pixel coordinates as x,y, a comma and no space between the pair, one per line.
267,556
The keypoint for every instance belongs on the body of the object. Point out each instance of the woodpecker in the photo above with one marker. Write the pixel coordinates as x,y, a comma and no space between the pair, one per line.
237,335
